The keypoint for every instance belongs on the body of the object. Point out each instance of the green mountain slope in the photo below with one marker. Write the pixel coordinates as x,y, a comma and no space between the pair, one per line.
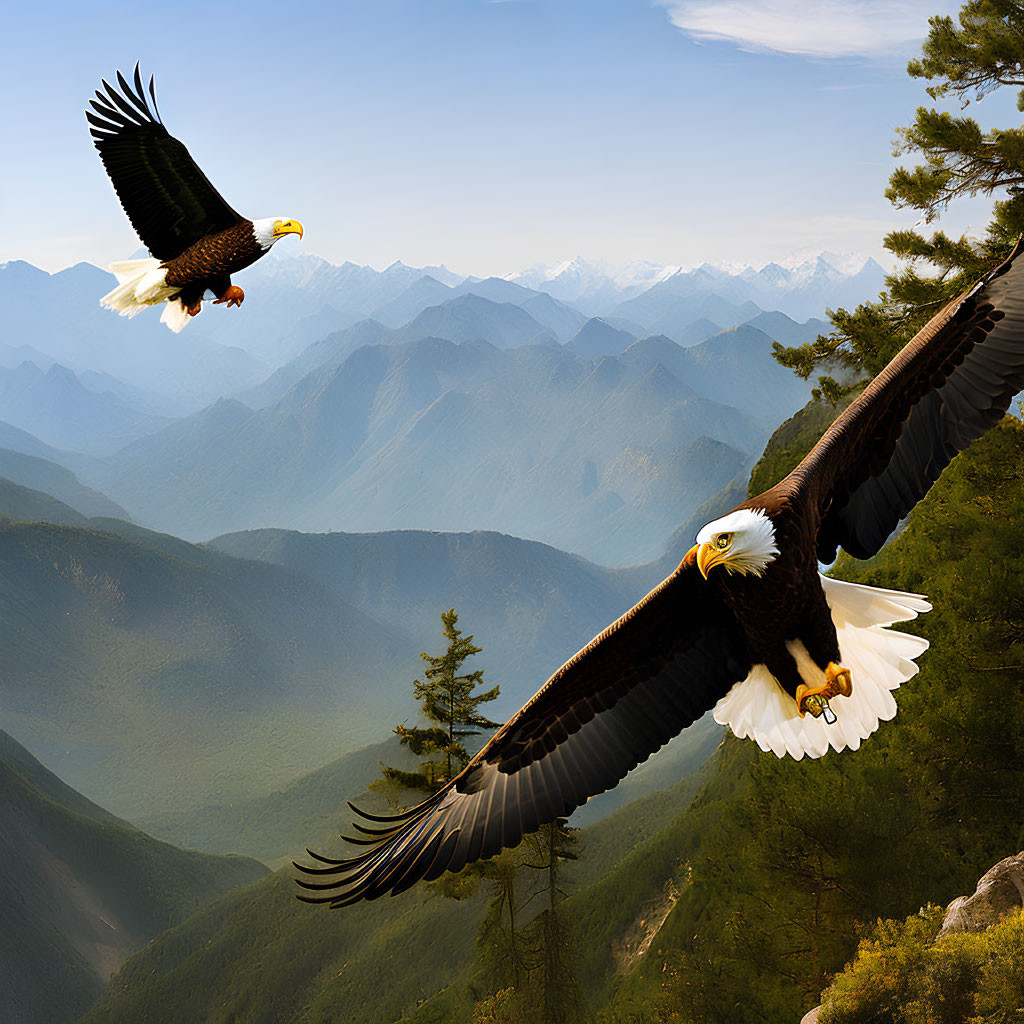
43,475
306,812
81,890
258,955
151,672
26,505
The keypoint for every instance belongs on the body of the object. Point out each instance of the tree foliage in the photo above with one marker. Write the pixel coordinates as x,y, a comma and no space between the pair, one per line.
964,59
526,947
901,974
449,703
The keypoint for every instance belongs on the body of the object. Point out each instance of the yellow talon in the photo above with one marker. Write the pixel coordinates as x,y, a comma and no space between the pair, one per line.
814,700
838,680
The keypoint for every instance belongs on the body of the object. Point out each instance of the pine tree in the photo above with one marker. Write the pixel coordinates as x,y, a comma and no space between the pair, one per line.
559,997
966,60
449,703
529,967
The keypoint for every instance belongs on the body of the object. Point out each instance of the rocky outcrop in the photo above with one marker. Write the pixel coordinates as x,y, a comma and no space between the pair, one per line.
644,929
1000,891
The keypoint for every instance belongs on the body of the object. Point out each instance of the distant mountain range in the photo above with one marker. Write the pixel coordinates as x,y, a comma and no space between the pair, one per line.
803,288
602,457
59,316
530,606
295,298
79,378
352,395
59,409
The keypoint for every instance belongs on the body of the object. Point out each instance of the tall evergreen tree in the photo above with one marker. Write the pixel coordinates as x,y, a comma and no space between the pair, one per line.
965,60
530,967
449,703
558,996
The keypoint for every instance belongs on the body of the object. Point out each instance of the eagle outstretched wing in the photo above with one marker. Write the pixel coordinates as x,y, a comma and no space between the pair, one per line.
631,689
168,199
952,382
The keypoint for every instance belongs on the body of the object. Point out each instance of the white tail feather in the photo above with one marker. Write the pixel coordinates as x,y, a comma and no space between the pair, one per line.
879,659
175,315
141,283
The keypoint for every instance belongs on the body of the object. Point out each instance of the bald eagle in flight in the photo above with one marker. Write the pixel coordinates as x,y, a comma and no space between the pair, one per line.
196,240
746,625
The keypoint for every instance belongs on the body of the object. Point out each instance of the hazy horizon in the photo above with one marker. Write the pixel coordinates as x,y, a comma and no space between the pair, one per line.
488,136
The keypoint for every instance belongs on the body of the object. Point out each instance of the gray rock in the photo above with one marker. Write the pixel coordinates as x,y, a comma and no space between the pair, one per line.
1000,891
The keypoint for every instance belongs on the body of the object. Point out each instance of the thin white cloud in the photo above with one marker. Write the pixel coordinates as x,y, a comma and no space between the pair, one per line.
808,28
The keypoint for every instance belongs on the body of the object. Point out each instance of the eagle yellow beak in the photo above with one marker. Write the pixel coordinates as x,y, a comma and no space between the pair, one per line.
707,557
287,227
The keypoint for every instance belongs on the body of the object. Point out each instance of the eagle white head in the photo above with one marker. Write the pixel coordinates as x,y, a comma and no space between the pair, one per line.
741,542
268,230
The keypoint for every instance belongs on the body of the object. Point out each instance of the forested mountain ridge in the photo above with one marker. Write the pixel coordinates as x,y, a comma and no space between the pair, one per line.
259,955
152,672
82,890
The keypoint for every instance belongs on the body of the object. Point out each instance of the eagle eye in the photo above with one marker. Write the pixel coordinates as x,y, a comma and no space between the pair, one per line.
723,540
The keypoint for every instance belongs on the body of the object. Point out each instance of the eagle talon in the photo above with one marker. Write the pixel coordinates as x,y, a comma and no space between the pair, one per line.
814,703
839,680
233,297
838,683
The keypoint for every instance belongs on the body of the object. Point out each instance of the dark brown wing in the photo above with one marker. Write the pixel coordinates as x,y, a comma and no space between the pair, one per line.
630,690
168,199
948,385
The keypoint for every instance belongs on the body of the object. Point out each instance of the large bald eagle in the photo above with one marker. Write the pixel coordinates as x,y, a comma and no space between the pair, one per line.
746,625
196,240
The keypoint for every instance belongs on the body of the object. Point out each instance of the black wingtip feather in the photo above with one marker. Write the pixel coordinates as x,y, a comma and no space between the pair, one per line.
103,126
319,886
323,859
128,113
384,818
336,870
139,101
314,899
360,841
348,862
380,833
152,93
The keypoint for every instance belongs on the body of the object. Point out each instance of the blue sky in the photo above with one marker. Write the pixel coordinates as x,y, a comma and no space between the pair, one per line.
485,135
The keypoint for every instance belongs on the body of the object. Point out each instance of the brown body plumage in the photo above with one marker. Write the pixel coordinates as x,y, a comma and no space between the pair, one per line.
210,262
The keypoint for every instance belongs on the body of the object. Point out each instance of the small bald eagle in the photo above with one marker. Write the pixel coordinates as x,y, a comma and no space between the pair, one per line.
196,239
746,626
